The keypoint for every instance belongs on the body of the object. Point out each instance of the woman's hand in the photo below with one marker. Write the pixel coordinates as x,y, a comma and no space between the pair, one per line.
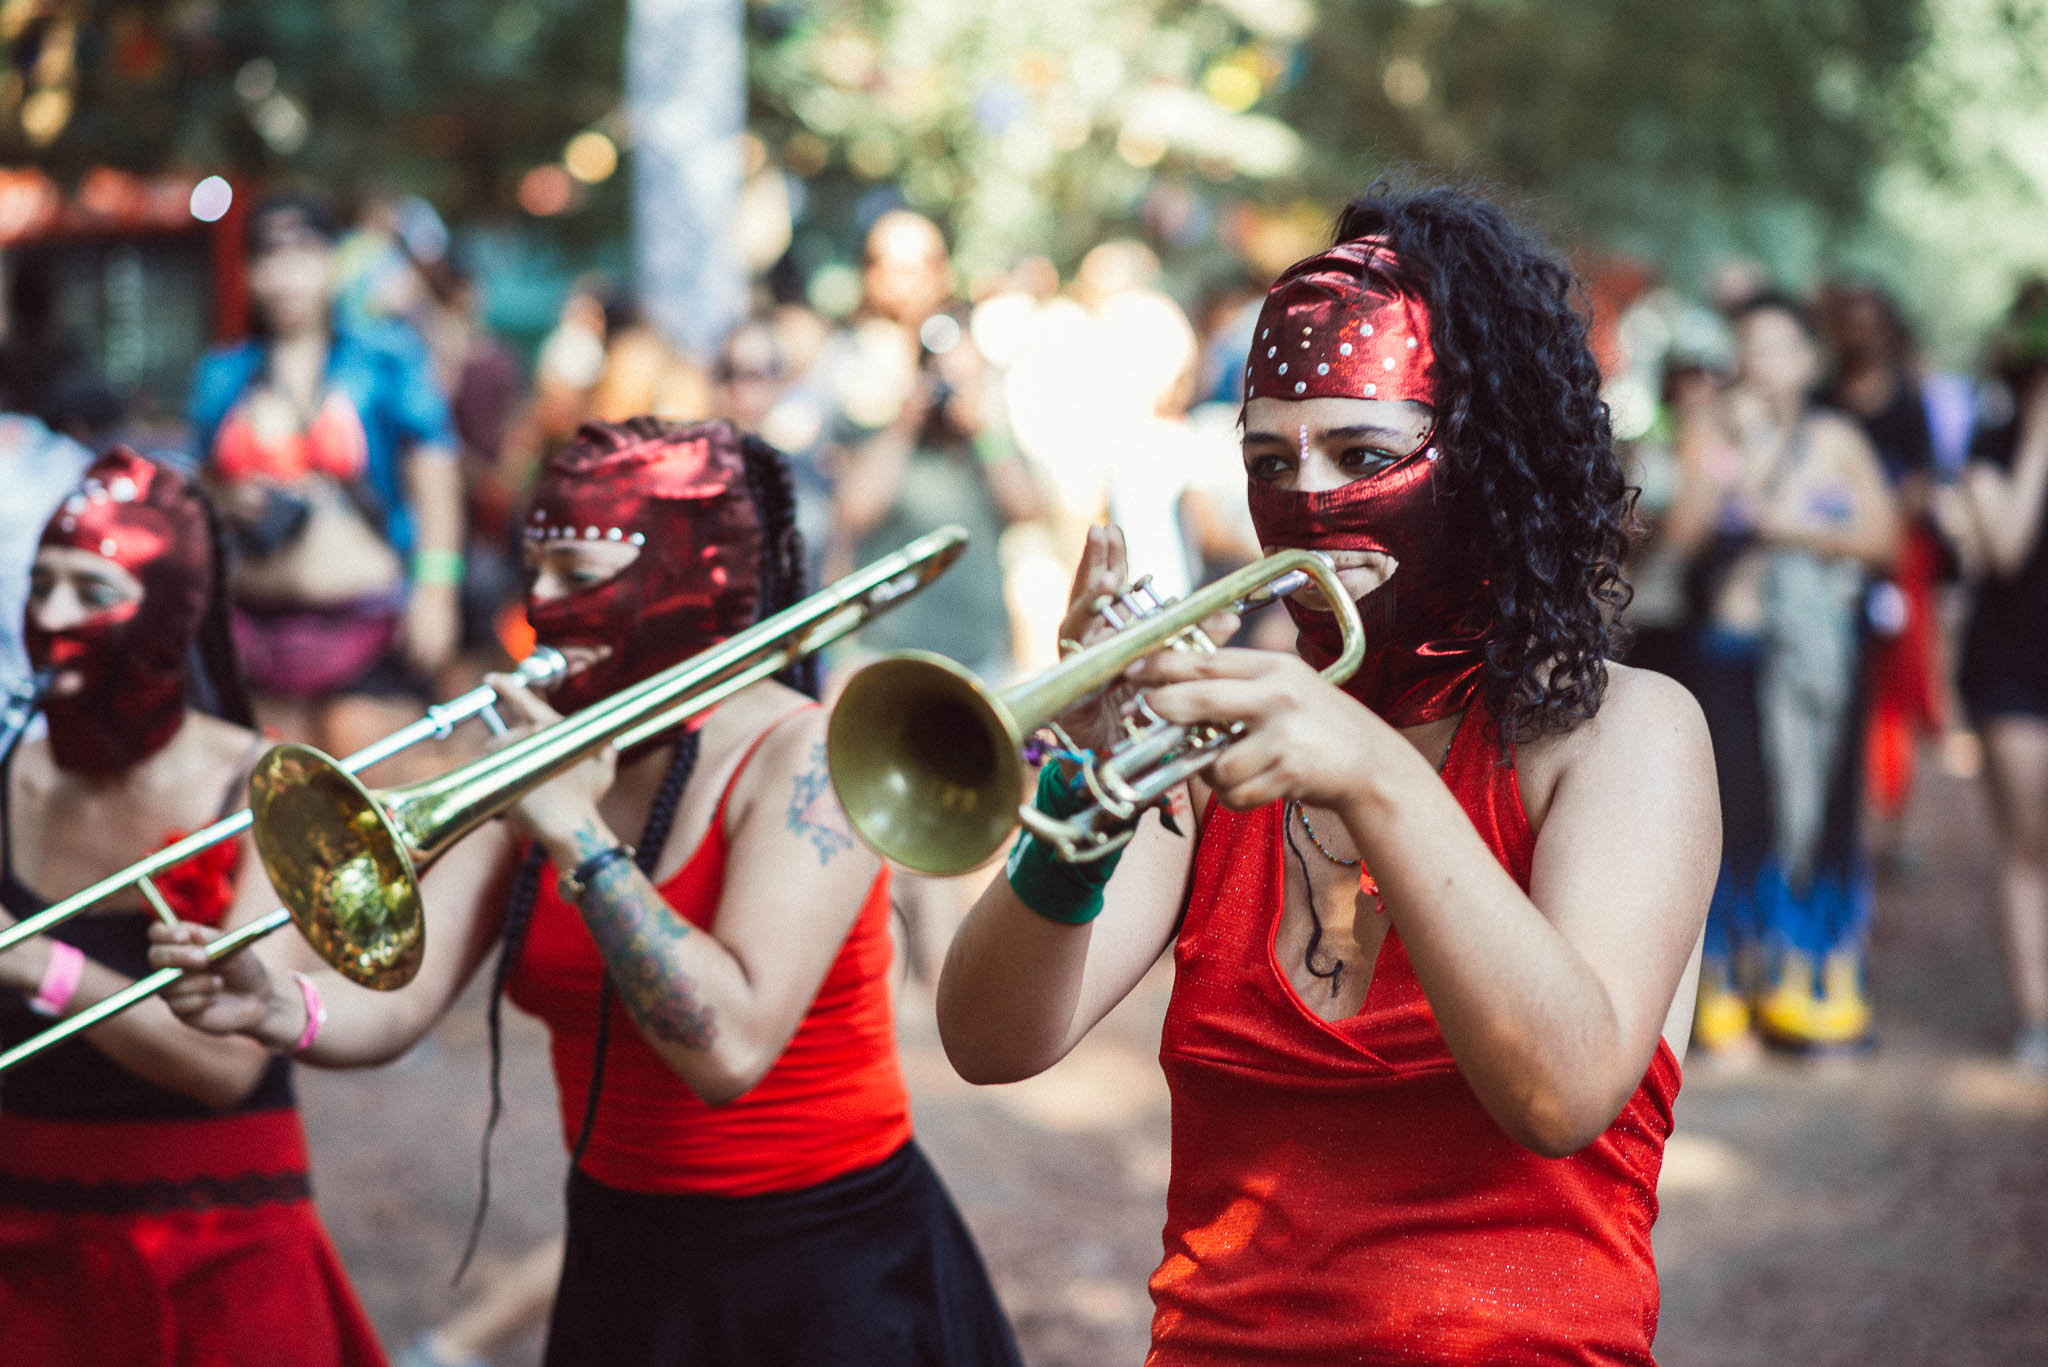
233,996
1104,571
1304,738
554,811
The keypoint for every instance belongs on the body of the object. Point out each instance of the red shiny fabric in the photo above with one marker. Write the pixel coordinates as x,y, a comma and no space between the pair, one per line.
833,1103
1347,323
678,492
1338,1194
1344,323
1425,627
202,888
136,658
169,1243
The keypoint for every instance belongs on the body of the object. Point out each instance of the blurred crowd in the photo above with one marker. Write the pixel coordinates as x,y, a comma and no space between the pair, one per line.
1838,545
1837,551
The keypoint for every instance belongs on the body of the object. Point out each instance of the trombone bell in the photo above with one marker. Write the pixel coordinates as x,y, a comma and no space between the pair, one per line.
338,862
927,762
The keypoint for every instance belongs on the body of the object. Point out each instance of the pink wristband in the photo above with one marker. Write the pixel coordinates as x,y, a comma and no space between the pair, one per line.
316,1015
60,980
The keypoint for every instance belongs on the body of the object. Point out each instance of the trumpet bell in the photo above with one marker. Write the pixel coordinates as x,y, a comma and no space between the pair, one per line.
927,762
337,859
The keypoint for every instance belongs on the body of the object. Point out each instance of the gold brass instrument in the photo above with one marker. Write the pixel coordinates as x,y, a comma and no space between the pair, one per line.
539,669
346,859
928,761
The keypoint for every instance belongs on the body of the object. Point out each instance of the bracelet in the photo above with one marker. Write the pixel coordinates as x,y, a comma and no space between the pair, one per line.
573,884
438,565
1068,893
60,980
316,1015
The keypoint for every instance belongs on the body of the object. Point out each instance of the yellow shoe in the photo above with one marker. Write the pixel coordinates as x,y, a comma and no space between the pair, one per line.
1786,1011
1720,1019
1842,1014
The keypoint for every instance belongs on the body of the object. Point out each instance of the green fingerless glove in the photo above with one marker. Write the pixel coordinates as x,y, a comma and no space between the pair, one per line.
1057,890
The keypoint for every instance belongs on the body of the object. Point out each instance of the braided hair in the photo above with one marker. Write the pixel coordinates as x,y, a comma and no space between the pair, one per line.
784,583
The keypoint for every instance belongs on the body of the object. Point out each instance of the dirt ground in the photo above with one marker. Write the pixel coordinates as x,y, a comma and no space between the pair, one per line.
1885,1209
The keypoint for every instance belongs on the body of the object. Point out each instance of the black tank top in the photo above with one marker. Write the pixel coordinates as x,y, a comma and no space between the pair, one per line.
75,1081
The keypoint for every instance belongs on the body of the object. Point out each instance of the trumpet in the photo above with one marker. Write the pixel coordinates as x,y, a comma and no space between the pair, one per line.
346,859
928,760
540,669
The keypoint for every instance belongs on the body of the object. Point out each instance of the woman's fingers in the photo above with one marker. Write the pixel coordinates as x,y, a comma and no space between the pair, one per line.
520,697
1179,666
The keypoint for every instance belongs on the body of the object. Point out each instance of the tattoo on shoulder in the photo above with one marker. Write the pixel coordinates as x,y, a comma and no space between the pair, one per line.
814,813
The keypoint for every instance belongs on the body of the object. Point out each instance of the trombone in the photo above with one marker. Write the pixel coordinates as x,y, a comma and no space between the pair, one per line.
928,760
346,859
540,669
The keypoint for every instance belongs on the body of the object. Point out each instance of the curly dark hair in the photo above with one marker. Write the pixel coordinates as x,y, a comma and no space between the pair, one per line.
1529,466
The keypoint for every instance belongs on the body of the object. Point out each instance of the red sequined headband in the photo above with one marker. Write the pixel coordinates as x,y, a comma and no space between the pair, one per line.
1341,324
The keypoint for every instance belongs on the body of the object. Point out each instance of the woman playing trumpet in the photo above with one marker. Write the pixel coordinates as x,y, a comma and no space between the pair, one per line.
707,945
154,1203
1434,932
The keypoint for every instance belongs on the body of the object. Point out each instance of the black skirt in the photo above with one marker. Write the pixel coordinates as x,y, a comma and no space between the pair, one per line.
873,1269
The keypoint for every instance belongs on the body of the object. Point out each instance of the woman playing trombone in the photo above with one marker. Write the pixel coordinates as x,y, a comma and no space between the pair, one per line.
708,946
154,1202
1434,933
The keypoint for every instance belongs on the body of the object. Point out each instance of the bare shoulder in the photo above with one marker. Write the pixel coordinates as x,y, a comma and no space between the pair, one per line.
1648,728
223,743
1841,440
776,732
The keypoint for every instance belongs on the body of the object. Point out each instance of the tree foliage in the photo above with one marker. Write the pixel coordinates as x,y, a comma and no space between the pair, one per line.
454,98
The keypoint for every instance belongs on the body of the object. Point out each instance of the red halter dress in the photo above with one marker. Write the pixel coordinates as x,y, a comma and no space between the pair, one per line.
1338,1193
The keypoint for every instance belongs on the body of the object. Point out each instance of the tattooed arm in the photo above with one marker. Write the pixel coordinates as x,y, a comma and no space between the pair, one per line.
720,1007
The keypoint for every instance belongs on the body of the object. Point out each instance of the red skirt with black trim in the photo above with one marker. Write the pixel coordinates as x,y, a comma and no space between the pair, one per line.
170,1242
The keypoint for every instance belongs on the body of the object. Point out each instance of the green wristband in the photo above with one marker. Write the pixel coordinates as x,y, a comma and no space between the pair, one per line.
1068,893
438,565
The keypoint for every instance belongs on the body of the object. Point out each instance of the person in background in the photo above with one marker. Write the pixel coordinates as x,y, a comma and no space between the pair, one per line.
37,467
1782,515
915,446
483,382
155,1208
330,453
1876,381
1996,515
757,388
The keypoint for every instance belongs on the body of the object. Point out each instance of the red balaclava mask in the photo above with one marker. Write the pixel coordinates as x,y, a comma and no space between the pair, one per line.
678,492
136,658
1343,324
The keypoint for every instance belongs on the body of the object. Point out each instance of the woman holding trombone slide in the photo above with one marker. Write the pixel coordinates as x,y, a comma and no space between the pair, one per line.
707,944
154,1203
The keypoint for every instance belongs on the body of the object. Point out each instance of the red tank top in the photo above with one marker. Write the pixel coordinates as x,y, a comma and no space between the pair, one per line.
1338,1194
833,1103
